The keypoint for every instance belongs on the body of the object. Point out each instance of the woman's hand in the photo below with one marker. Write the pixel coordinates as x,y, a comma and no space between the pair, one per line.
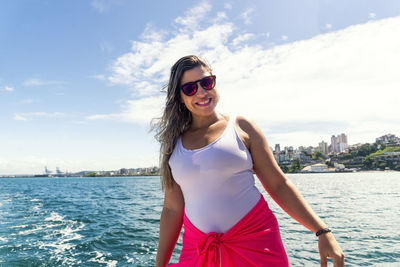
329,248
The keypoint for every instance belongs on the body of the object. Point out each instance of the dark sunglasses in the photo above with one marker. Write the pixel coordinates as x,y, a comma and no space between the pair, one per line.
191,88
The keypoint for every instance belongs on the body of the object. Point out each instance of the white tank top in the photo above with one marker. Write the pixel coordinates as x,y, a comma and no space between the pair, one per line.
216,180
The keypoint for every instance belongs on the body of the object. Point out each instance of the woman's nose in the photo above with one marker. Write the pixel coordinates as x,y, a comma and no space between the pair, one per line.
200,89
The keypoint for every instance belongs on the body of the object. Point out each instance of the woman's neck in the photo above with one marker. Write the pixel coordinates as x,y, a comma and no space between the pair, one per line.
199,122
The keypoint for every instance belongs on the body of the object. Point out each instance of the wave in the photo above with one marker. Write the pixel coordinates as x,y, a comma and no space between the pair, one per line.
55,217
99,258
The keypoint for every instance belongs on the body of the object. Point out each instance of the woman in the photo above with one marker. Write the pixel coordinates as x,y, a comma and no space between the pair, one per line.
207,159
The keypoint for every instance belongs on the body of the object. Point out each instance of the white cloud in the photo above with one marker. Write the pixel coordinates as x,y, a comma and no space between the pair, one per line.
242,38
9,88
284,37
136,111
103,117
151,34
100,6
228,6
220,17
328,26
143,110
193,16
33,82
342,76
19,117
372,15
41,82
30,115
6,88
149,62
247,15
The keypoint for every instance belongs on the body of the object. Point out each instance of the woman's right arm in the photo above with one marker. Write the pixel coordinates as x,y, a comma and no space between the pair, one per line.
170,224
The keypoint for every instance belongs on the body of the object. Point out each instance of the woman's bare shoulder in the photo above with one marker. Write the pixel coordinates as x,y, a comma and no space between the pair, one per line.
249,130
245,129
246,125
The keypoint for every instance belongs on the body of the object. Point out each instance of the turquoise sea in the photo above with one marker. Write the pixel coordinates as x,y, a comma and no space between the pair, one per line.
113,221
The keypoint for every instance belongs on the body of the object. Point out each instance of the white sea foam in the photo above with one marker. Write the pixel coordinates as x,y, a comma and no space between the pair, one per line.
18,226
128,259
65,232
30,231
3,239
58,247
38,227
55,217
34,199
101,259
38,206
69,233
66,260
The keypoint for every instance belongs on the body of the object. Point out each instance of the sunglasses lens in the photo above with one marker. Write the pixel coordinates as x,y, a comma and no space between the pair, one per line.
208,83
189,89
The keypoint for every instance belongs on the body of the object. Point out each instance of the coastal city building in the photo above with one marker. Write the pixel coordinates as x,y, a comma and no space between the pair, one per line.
277,152
389,156
388,139
319,167
323,148
338,143
355,146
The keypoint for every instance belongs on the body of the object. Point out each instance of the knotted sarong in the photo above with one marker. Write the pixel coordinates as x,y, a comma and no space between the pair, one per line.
254,241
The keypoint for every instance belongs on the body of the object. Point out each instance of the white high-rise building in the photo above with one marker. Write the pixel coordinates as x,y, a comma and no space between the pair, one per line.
323,147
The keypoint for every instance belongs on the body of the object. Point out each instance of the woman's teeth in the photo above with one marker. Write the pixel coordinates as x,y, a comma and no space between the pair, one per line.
204,102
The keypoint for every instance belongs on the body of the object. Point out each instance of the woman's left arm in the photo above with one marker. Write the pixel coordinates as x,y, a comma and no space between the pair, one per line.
284,192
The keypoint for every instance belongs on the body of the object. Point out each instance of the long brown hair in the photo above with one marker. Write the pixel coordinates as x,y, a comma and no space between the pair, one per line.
176,118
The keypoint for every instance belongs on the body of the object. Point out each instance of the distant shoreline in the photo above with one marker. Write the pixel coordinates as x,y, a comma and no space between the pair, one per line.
73,176
144,175
363,171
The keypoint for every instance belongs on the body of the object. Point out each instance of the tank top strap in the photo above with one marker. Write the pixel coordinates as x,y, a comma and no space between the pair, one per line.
232,123
232,120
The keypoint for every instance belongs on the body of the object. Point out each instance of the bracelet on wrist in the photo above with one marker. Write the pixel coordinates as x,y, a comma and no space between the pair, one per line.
322,231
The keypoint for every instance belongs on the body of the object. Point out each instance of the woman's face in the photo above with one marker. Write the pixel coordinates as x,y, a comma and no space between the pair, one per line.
202,103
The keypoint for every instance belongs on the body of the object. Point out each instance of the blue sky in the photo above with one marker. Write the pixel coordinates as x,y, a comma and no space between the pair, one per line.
80,80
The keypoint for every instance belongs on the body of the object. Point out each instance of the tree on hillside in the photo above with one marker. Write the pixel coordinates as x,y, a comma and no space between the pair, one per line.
367,149
367,162
295,165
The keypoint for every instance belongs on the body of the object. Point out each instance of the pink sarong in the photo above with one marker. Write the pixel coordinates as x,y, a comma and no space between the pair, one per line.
254,241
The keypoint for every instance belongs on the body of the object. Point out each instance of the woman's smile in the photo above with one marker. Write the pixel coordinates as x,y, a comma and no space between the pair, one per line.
204,102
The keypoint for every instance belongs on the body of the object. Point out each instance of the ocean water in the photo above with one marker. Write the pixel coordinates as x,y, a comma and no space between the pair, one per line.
114,221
